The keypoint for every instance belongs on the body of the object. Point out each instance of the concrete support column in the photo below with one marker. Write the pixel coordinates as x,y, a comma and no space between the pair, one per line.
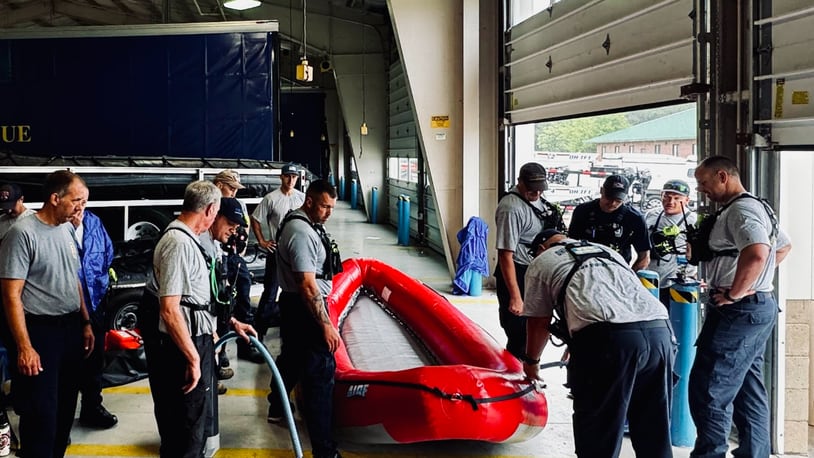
450,62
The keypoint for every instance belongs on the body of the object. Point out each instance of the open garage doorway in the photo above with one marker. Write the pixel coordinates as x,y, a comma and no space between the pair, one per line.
648,146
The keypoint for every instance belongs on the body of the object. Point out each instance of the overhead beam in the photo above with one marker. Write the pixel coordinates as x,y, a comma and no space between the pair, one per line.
27,13
99,15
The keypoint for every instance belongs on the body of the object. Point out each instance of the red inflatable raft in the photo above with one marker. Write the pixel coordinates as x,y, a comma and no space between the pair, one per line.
413,368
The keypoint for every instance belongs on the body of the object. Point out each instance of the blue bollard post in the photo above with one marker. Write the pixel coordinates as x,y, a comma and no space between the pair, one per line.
650,280
684,318
353,193
374,205
404,221
341,188
399,217
475,283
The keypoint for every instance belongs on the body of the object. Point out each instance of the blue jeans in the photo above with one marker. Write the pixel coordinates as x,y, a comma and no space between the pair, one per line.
726,380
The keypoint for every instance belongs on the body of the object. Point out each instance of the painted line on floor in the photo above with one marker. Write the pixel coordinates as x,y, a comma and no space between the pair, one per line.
143,390
152,450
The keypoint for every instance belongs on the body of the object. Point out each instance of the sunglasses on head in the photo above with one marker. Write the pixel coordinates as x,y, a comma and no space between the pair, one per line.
677,187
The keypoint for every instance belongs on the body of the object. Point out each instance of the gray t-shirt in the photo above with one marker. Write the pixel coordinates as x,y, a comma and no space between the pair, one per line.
47,258
6,221
517,225
300,250
743,223
667,265
600,291
274,206
180,270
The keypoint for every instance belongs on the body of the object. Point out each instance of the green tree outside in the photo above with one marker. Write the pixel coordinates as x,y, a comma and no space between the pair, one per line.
570,135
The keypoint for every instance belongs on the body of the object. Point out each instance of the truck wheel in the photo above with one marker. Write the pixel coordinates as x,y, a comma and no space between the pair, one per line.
122,311
651,203
146,223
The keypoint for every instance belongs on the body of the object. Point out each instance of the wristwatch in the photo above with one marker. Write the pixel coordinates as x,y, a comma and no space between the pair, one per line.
528,360
730,298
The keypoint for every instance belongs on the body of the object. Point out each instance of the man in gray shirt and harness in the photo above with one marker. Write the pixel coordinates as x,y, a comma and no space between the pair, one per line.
739,258
620,343
180,352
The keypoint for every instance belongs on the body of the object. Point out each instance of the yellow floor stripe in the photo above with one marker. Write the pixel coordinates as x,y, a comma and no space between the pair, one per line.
138,390
152,450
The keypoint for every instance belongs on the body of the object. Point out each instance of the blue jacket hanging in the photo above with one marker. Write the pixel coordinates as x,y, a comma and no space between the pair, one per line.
97,255
472,258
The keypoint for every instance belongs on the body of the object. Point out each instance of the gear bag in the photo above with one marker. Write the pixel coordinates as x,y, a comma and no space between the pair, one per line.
581,251
698,236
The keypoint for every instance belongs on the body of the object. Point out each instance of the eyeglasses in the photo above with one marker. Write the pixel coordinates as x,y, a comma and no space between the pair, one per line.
677,187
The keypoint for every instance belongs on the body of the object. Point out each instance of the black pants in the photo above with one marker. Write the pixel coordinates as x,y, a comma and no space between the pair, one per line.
513,325
238,273
616,369
46,403
305,359
90,380
268,309
184,420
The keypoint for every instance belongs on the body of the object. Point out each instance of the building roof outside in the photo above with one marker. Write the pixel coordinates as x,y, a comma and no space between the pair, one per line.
677,126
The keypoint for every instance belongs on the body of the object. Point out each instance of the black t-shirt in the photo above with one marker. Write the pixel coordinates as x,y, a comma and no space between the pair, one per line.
620,230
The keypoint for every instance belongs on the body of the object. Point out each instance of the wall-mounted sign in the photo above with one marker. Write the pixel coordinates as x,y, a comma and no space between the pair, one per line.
438,122
441,136
799,98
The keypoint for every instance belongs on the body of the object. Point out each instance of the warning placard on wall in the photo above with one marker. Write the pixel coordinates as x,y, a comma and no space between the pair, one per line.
439,122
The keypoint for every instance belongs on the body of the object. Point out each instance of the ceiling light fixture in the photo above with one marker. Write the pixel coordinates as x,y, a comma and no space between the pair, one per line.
305,72
241,5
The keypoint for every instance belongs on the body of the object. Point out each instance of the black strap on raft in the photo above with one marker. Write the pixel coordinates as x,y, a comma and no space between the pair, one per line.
581,251
472,400
333,260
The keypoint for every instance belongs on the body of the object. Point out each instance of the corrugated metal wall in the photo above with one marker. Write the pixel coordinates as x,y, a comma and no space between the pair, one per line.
587,56
413,182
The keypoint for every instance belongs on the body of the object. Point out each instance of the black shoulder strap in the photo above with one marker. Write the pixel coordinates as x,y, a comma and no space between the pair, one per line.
558,224
581,251
207,258
766,206
292,216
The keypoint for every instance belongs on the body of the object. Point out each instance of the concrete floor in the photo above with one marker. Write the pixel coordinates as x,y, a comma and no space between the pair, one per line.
244,431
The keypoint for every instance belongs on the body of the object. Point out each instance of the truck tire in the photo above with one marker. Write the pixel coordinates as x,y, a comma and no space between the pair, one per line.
147,223
122,310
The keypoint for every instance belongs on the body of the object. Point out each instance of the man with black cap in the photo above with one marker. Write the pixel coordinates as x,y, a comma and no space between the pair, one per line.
607,220
521,214
620,343
228,181
11,207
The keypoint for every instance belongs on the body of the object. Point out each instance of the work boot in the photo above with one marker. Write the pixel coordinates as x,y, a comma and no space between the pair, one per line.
97,417
249,353
222,388
225,373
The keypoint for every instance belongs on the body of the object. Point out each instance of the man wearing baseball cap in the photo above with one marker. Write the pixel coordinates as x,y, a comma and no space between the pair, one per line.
521,214
12,208
667,227
270,213
608,221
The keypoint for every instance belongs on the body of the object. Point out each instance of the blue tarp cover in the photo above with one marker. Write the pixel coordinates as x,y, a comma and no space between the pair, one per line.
472,256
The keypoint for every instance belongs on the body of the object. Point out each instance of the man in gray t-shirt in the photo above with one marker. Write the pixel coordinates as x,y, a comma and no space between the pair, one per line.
620,344
520,215
12,208
48,330
726,380
667,227
178,321
308,337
